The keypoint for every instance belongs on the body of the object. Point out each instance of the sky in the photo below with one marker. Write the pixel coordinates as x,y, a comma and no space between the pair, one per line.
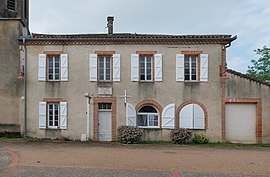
248,19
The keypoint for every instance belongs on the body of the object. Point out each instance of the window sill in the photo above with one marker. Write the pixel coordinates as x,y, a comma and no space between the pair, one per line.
144,127
146,81
104,81
187,81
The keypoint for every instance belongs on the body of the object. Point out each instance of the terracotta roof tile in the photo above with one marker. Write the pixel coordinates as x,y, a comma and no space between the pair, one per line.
247,77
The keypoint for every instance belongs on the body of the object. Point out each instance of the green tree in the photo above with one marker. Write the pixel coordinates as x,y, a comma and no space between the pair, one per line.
261,67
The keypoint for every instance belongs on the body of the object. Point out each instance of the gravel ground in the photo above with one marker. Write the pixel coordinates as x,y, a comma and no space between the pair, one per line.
41,158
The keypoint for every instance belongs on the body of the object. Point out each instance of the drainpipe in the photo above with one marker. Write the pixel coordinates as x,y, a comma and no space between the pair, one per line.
25,86
88,96
23,38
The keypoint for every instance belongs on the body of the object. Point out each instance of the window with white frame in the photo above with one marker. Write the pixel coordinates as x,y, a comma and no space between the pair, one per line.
53,115
105,106
146,67
104,68
148,117
192,117
191,68
53,67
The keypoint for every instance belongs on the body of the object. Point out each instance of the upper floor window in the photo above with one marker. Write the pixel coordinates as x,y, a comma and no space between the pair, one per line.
104,68
11,5
146,67
148,117
53,67
191,67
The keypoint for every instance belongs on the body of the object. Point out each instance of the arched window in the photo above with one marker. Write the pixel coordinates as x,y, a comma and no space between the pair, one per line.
192,117
148,116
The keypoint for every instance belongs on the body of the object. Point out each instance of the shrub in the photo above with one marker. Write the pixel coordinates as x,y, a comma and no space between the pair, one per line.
200,138
129,135
180,136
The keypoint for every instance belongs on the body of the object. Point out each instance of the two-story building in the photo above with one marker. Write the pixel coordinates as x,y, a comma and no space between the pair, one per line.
85,86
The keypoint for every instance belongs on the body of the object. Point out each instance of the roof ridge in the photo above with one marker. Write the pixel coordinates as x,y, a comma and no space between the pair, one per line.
247,77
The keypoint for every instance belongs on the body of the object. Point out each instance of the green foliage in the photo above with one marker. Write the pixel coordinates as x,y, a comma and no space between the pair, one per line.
261,68
180,136
129,135
200,138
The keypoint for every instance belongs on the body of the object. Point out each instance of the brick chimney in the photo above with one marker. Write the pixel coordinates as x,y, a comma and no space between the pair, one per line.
110,24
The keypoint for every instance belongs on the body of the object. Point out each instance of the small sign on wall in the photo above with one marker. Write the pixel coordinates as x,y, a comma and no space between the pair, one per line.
105,90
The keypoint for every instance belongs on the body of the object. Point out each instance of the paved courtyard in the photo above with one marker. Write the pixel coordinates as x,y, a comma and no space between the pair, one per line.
41,158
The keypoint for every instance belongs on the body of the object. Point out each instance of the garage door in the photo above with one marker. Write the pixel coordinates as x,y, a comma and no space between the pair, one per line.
240,123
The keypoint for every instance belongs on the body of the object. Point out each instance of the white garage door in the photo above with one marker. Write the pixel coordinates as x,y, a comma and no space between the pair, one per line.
240,123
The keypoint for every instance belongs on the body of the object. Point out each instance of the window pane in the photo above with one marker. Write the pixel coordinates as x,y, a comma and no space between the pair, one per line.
101,68
149,68
108,67
149,109
153,120
142,68
142,120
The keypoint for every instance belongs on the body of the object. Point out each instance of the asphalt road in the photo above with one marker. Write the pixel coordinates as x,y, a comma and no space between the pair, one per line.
69,159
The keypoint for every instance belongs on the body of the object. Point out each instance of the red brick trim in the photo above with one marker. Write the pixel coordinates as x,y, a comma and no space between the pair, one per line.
146,52
177,120
104,52
257,101
191,52
53,100
150,103
53,52
111,100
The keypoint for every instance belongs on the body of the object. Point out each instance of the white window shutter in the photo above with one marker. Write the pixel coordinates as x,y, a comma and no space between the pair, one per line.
168,116
63,115
198,117
42,67
42,114
204,67
116,67
130,115
134,67
64,67
158,67
180,72
93,67
186,117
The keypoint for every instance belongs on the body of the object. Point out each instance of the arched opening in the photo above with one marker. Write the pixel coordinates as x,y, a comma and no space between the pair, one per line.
148,117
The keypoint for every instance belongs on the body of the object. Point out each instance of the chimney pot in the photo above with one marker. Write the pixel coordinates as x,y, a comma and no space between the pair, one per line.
110,24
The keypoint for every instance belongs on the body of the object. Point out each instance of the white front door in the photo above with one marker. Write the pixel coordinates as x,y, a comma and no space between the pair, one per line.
240,123
105,125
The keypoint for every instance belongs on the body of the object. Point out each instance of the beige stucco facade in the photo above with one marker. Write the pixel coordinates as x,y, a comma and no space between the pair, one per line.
165,92
221,88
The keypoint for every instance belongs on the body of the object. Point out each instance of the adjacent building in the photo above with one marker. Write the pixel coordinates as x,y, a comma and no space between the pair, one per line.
13,24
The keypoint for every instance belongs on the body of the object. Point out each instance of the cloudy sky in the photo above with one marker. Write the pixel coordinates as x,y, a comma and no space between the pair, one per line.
248,19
